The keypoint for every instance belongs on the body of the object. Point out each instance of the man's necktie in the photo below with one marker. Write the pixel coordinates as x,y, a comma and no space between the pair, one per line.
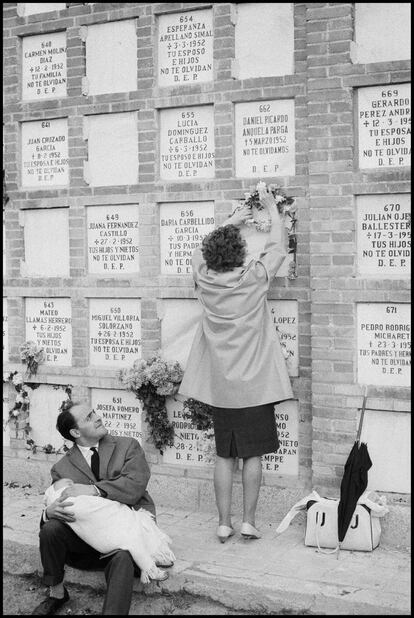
95,462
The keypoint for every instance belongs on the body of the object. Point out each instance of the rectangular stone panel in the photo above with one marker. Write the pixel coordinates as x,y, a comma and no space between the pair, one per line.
384,126
265,138
384,234
44,66
5,331
113,239
187,148
32,8
44,154
388,438
384,343
382,31
285,319
185,47
286,459
46,242
179,320
264,39
114,331
45,401
183,225
49,325
121,411
188,448
111,57
112,149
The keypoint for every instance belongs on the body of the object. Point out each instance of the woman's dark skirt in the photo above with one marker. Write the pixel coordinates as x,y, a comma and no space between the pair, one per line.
245,432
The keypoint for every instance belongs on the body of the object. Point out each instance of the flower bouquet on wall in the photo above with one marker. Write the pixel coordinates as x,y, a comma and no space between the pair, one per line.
152,380
31,355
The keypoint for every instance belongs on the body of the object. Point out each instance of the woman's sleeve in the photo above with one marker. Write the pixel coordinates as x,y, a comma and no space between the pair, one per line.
271,260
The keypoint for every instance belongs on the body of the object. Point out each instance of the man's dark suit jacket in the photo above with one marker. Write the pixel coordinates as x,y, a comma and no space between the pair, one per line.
123,470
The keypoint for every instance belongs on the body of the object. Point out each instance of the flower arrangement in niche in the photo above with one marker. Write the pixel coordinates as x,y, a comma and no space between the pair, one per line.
201,417
152,380
286,207
32,356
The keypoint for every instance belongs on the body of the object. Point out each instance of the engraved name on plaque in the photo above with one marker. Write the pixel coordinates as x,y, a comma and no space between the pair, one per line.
384,344
189,442
384,126
45,162
114,331
121,412
384,234
265,138
113,239
49,325
185,48
44,66
187,143
182,228
286,459
285,319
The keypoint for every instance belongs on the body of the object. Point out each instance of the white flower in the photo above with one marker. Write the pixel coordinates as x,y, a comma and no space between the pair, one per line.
279,198
261,186
19,398
6,376
17,379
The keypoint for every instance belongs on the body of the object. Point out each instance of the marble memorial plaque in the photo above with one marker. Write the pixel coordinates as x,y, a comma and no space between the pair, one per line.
265,138
384,234
285,319
112,149
5,331
121,412
32,8
179,320
113,239
182,228
44,66
187,143
264,39
388,435
188,440
382,34
286,459
45,402
114,331
384,344
49,325
111,57
185,47
45,162
46,242
384,126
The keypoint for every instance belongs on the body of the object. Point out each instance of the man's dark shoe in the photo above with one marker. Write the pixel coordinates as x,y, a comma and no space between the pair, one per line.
49,606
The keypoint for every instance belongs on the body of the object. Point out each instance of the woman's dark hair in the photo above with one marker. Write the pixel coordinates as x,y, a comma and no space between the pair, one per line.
224,249
65,422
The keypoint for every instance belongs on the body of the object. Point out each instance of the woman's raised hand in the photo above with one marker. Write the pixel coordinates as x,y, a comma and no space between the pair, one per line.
241,215
266,198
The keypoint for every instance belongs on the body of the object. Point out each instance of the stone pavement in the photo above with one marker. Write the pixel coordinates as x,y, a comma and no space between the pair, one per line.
274,574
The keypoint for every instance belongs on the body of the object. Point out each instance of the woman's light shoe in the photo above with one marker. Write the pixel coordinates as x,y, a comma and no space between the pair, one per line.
249,532
224,532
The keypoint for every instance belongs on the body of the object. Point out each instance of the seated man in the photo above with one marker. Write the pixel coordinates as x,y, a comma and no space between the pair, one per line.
122,473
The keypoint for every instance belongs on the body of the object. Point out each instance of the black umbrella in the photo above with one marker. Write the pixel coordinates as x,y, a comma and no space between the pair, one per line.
354,481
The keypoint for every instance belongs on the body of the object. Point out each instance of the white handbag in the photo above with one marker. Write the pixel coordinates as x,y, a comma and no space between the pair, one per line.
364,530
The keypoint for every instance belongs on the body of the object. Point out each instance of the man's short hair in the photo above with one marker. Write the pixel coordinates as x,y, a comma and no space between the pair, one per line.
65,422
224,249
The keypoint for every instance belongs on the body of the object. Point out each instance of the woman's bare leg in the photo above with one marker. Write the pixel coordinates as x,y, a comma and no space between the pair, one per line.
251,479
223,483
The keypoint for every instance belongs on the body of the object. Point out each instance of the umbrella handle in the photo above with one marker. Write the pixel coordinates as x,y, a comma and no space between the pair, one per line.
361,419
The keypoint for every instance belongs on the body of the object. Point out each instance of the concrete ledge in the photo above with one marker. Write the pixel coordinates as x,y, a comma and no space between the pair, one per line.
274,574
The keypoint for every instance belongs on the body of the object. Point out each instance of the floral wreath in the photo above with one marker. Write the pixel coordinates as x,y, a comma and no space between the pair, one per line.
286,207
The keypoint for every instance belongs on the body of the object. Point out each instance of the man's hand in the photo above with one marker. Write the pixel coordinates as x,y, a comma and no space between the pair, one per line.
240,216
57,510
78,489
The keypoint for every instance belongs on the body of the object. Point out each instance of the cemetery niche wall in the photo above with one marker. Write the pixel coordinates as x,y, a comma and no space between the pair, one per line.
130,132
